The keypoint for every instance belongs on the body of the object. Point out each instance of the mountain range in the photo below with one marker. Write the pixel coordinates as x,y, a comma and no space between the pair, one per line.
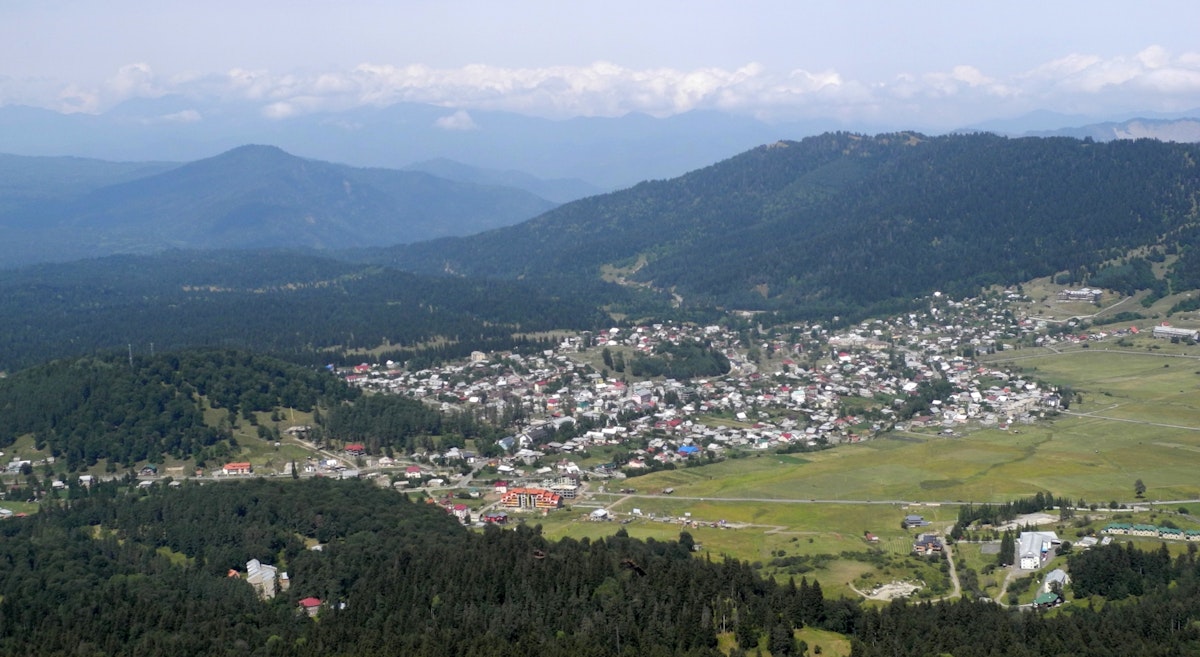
607,152
252,196
841,224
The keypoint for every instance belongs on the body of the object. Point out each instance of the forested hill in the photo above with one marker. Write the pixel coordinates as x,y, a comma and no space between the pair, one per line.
150,408
847,222
304,307
116,570
114,576
249,197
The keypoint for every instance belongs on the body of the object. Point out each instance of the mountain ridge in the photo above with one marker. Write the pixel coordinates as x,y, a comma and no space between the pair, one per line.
255,196
794,224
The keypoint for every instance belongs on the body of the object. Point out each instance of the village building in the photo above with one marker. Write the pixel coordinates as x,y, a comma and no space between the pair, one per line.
1033,549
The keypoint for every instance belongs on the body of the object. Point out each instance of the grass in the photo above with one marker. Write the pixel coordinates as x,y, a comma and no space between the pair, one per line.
765,531
831,644
789,505
1079,457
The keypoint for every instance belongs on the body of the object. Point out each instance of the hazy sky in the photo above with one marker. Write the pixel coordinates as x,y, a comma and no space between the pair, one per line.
931,63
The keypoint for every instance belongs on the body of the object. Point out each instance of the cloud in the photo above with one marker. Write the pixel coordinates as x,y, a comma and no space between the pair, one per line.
1151,79
459,120
184,116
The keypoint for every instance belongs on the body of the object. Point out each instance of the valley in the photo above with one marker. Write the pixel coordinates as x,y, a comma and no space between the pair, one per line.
802,441
701,380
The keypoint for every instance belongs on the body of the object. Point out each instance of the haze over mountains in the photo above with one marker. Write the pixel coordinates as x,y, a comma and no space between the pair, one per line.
253,196
605,153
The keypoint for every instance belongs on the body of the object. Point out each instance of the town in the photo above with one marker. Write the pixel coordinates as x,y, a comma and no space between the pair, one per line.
795,388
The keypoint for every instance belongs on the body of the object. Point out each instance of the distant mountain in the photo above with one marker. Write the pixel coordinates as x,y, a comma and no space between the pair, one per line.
607,152
1178,130
559,190
844,222
249,197
26,179
1041,120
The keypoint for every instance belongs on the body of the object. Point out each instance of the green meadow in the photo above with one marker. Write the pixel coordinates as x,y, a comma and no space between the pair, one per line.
1140,419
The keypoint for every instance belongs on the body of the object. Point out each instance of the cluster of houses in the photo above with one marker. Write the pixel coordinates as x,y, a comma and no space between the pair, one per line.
803,400
1152,531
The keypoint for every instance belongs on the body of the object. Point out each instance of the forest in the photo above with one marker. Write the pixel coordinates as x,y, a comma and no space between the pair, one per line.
298,306
128,411
847,224
118,570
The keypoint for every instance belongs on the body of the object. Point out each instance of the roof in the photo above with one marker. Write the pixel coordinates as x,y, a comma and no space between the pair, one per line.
1057,575
1046,598
310,602
1030,543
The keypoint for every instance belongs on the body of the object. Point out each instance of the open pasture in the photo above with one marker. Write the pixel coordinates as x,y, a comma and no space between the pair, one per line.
1138,420
759,532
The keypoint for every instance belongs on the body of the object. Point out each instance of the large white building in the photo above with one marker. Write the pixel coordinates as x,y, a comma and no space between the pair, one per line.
1172,332
1033,548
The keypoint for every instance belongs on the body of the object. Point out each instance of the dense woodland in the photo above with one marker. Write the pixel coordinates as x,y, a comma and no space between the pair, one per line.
147,576
127,411
298,306
847,224
121,571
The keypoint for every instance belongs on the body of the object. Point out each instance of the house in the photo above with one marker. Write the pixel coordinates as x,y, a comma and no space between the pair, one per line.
495,517
914,521
1056,581
242,468
262,577
310,606
355,449
1082,294
927,544
413,472
500,487
1047,600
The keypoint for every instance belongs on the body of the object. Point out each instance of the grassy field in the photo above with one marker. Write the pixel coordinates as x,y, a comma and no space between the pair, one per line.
759,532
1141,421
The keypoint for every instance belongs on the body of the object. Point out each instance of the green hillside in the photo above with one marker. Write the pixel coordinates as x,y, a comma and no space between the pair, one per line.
845,222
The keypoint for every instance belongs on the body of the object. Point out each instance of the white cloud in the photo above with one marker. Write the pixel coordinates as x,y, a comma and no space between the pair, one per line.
185,116
459,120
279,110
1151,79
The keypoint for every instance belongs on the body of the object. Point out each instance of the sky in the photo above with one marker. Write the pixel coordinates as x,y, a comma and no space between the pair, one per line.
931,63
